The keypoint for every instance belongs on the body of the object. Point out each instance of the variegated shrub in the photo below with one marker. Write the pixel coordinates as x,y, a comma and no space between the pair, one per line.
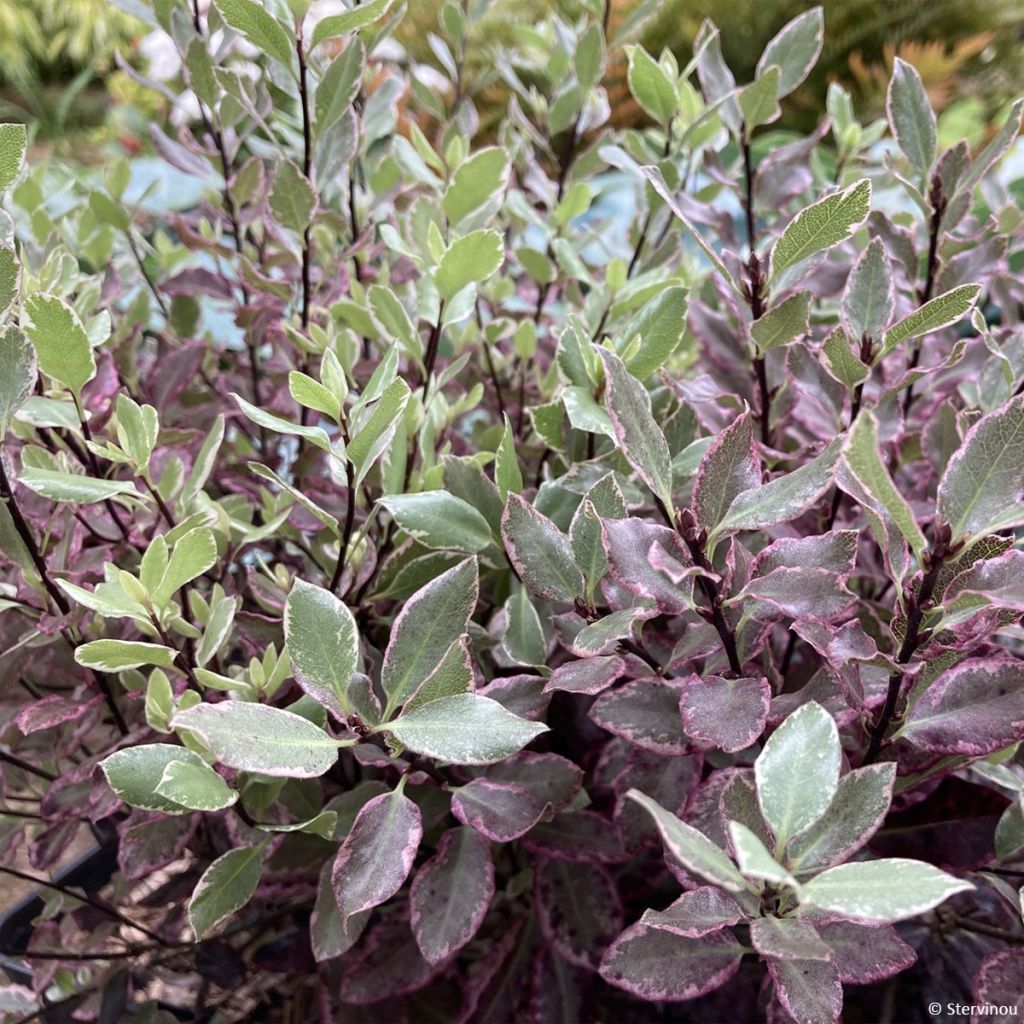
513,572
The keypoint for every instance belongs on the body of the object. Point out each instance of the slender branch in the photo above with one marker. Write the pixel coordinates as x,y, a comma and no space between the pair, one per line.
99,905
17,762
147,277
350,515
307,150
430,356
95,466
912,638
756,287
29,540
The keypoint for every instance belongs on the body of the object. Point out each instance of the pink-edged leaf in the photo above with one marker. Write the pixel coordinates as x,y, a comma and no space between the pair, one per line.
524,695
658,965
729,467
975,708
997,582
667,780
866,953
835,551
51,711
737,801
799,593
577,836
628,544
377,855
578,908
1000,981
786,938
857,811
149,844
809,990
548,777
645,712
387,963
559,990
726,713
697,912
540,552
451,894
501,811
587,675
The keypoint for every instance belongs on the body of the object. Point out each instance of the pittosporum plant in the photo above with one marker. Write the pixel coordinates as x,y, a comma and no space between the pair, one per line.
522,573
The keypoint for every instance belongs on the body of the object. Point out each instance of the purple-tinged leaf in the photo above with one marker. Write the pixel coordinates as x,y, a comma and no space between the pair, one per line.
577,836
328,936
856,812
428,624
866,953
996,582
588,675
501,811
737,802
602,636
653,964
794,49
548,777
1000,982
540,552
981,490
976,708
51,711
451,894
809,990
145,846
785,938
726,713
387,964
628,544
637,434
911,117
669,781
524,695
799,593
578,908
377,854
696,913
559,989
729,467
835,551
645,712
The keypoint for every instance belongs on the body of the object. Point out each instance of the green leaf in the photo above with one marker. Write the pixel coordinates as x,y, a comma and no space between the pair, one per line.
790,941
9,273
795,50
660,326
224,888
939,312
293,198
313,395
692,849
981,487
263,30
117,655
267,420
339,86
758,101
469,260
507,475
638,436
357,18
523,639
868,297
17,375
477,181
603,501
62,346
260,738
195,786
783,323
303,499
755,859
891,889
374,435
911,117
83,490
323,644
651,86
194,553
440,521
135,772
828,222
465,728
797,771
783,498
865,462
842,362
13,140
428,624
453,675
540,552
393,317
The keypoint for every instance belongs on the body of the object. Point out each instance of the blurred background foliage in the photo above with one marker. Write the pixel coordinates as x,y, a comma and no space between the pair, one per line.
58,70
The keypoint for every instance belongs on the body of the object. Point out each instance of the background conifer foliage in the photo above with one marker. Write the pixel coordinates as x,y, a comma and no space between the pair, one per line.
540,572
